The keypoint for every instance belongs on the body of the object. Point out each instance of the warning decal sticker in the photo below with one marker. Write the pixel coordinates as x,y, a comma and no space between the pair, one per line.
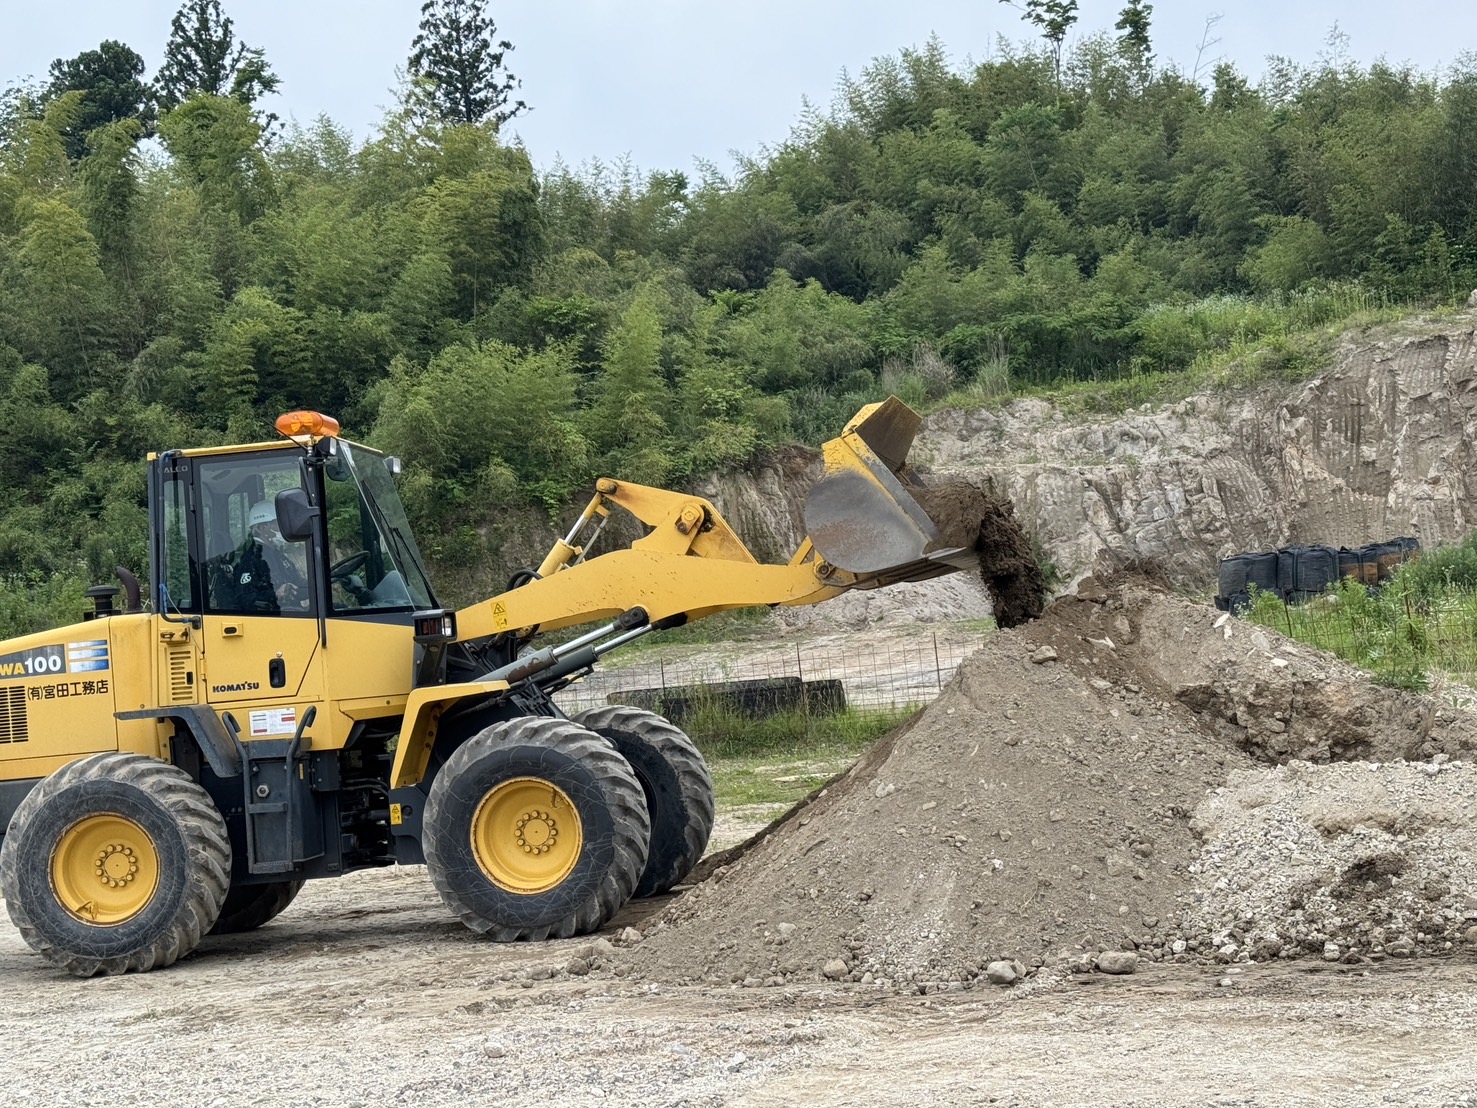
273,721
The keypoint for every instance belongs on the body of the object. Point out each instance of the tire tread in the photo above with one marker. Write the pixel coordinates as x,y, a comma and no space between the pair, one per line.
630,833
667,861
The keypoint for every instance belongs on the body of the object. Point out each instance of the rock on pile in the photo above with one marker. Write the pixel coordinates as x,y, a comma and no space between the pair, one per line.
1044,809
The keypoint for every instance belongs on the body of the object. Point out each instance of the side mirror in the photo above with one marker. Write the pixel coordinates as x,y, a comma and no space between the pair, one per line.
295,515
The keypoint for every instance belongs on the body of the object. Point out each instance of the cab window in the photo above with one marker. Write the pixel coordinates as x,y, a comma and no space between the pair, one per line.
249,568
373,563
179,571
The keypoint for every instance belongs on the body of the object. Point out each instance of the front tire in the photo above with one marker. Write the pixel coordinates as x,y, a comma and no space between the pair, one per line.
115,863
535,828
678,787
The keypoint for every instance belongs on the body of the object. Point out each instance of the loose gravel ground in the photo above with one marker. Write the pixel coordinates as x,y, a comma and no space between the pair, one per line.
364,992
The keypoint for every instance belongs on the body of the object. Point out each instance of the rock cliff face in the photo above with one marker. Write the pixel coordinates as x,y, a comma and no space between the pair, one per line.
1382,443
1379,445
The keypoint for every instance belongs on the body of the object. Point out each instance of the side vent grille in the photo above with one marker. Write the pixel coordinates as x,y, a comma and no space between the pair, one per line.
181,675
13,725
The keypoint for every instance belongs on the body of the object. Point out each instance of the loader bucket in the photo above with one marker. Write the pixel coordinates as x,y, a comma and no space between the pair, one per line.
862,515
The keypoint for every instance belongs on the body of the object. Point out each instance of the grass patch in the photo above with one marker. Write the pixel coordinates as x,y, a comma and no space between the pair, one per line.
778,760
1373,632
738,625
760,780
721,732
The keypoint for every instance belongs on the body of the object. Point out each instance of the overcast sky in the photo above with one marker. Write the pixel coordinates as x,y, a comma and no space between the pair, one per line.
668,81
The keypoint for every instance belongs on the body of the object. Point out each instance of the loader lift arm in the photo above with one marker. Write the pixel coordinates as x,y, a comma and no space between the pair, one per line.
867,530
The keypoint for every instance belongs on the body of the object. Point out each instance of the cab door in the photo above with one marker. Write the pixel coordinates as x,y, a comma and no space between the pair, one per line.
178,670
259,640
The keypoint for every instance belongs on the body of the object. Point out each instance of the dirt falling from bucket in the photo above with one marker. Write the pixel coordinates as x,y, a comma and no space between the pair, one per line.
969,517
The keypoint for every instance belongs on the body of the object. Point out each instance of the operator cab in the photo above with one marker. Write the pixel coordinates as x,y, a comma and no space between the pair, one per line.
220,548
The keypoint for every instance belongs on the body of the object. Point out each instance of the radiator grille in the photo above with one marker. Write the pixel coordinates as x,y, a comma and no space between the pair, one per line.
13,726
181,674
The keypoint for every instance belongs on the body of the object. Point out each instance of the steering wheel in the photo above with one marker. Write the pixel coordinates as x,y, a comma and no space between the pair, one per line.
345,566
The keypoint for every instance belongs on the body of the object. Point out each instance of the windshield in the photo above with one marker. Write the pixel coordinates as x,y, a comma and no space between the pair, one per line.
374,563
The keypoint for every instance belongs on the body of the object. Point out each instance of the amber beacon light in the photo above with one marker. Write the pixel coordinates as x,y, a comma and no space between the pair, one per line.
309,425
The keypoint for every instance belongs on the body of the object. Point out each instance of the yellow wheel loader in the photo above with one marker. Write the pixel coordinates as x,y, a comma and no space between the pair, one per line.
288,702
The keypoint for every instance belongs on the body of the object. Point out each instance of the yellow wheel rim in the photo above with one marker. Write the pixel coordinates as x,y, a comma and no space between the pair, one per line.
104,869
526,835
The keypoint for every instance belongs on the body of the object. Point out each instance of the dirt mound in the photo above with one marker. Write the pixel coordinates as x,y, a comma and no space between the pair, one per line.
1045,807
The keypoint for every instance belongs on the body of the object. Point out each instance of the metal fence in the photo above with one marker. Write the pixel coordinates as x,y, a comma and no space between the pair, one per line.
872,674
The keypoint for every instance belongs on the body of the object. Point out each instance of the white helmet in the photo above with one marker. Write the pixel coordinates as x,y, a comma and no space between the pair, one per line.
261,512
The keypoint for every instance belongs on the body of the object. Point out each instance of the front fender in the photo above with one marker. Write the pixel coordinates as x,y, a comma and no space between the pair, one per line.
423,712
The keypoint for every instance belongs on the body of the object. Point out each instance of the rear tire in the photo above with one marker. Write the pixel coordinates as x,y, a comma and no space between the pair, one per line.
535,828
115,863
678,787
247,907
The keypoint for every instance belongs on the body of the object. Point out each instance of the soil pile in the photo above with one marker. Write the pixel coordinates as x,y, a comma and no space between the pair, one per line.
1058,800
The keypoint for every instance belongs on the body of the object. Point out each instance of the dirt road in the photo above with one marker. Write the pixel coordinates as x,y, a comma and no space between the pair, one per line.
366,992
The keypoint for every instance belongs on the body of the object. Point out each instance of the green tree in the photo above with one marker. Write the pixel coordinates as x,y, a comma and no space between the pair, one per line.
1054,18
1455,154
110,80
490,226
58,295
216,144
627,423
478,417
178,279
717,417
792,336
42,433
456,49
734,238
33,154
257,356
109,177
1133,39
320,252
203,55
1295,252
